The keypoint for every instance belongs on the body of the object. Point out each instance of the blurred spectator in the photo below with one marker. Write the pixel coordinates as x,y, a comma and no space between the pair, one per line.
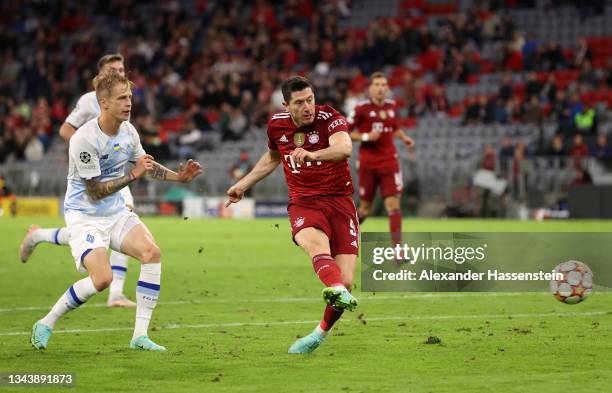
587,76
583,53
552,58
548,93
532,87
240,168
586,120
489,158
602,149
506,152
578,151
532,111
233,123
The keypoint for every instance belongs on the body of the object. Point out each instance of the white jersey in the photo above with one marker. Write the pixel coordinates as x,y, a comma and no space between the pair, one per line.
87,108
93,154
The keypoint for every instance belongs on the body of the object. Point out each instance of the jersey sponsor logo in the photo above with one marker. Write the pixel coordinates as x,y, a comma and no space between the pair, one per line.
336,123
313,137
294,167
89,238
298,222
85,157
372,114
283,139
298,139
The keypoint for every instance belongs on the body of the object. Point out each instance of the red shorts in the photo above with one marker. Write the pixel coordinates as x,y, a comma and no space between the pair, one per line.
390,182
334,215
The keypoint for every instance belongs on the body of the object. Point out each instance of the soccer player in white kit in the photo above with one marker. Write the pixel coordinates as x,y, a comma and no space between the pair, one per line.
87,108
96,215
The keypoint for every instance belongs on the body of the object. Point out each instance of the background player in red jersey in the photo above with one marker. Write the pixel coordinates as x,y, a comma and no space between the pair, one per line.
313,144
375,124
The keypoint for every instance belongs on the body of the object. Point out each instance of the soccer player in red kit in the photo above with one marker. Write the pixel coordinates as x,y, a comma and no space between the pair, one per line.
375,124
312,142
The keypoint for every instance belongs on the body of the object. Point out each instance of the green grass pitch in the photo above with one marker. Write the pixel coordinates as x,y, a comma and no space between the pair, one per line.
235,294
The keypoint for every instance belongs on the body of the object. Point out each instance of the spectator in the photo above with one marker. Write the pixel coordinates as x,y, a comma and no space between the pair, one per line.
578,151
587,76
586,120
583,53
602,149
240,168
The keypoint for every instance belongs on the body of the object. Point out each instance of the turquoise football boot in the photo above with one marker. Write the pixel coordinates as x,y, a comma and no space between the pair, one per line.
40,335
146,344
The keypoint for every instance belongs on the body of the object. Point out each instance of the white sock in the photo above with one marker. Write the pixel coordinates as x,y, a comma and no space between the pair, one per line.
57,236
147,293
76,295
319,330
119,264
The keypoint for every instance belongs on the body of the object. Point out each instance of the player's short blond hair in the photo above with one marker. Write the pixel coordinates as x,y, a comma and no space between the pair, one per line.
104,83
110,58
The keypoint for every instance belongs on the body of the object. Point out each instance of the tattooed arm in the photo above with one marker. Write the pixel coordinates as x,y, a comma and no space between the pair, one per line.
97,190
185,173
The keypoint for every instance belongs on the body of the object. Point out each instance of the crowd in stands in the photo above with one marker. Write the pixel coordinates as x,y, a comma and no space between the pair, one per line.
207,66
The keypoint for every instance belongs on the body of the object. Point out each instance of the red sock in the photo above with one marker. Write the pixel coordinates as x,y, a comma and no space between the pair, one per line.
328,271
395,226
330,316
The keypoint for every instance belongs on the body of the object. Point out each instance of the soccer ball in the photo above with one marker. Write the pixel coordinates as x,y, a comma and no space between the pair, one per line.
576,285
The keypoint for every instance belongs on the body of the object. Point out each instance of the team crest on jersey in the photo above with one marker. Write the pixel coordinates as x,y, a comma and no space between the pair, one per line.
298,222
313,137
85,157
382,114
298,139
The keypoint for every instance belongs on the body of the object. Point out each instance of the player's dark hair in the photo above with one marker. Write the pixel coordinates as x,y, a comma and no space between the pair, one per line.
376,75
110,58
295,83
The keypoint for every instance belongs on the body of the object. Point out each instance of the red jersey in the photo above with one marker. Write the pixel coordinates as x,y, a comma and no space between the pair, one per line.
316,178
368,117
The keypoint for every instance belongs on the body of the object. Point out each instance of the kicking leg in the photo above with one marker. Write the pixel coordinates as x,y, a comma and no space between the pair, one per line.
316,244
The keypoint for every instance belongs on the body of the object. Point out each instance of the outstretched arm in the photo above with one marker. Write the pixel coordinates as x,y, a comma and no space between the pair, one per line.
266,165
97,189
185,174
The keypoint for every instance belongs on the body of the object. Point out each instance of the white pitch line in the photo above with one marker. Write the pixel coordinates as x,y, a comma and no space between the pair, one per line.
277,323
424,296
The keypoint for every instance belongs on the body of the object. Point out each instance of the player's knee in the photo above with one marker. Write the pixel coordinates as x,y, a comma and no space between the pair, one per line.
102,280
151,254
